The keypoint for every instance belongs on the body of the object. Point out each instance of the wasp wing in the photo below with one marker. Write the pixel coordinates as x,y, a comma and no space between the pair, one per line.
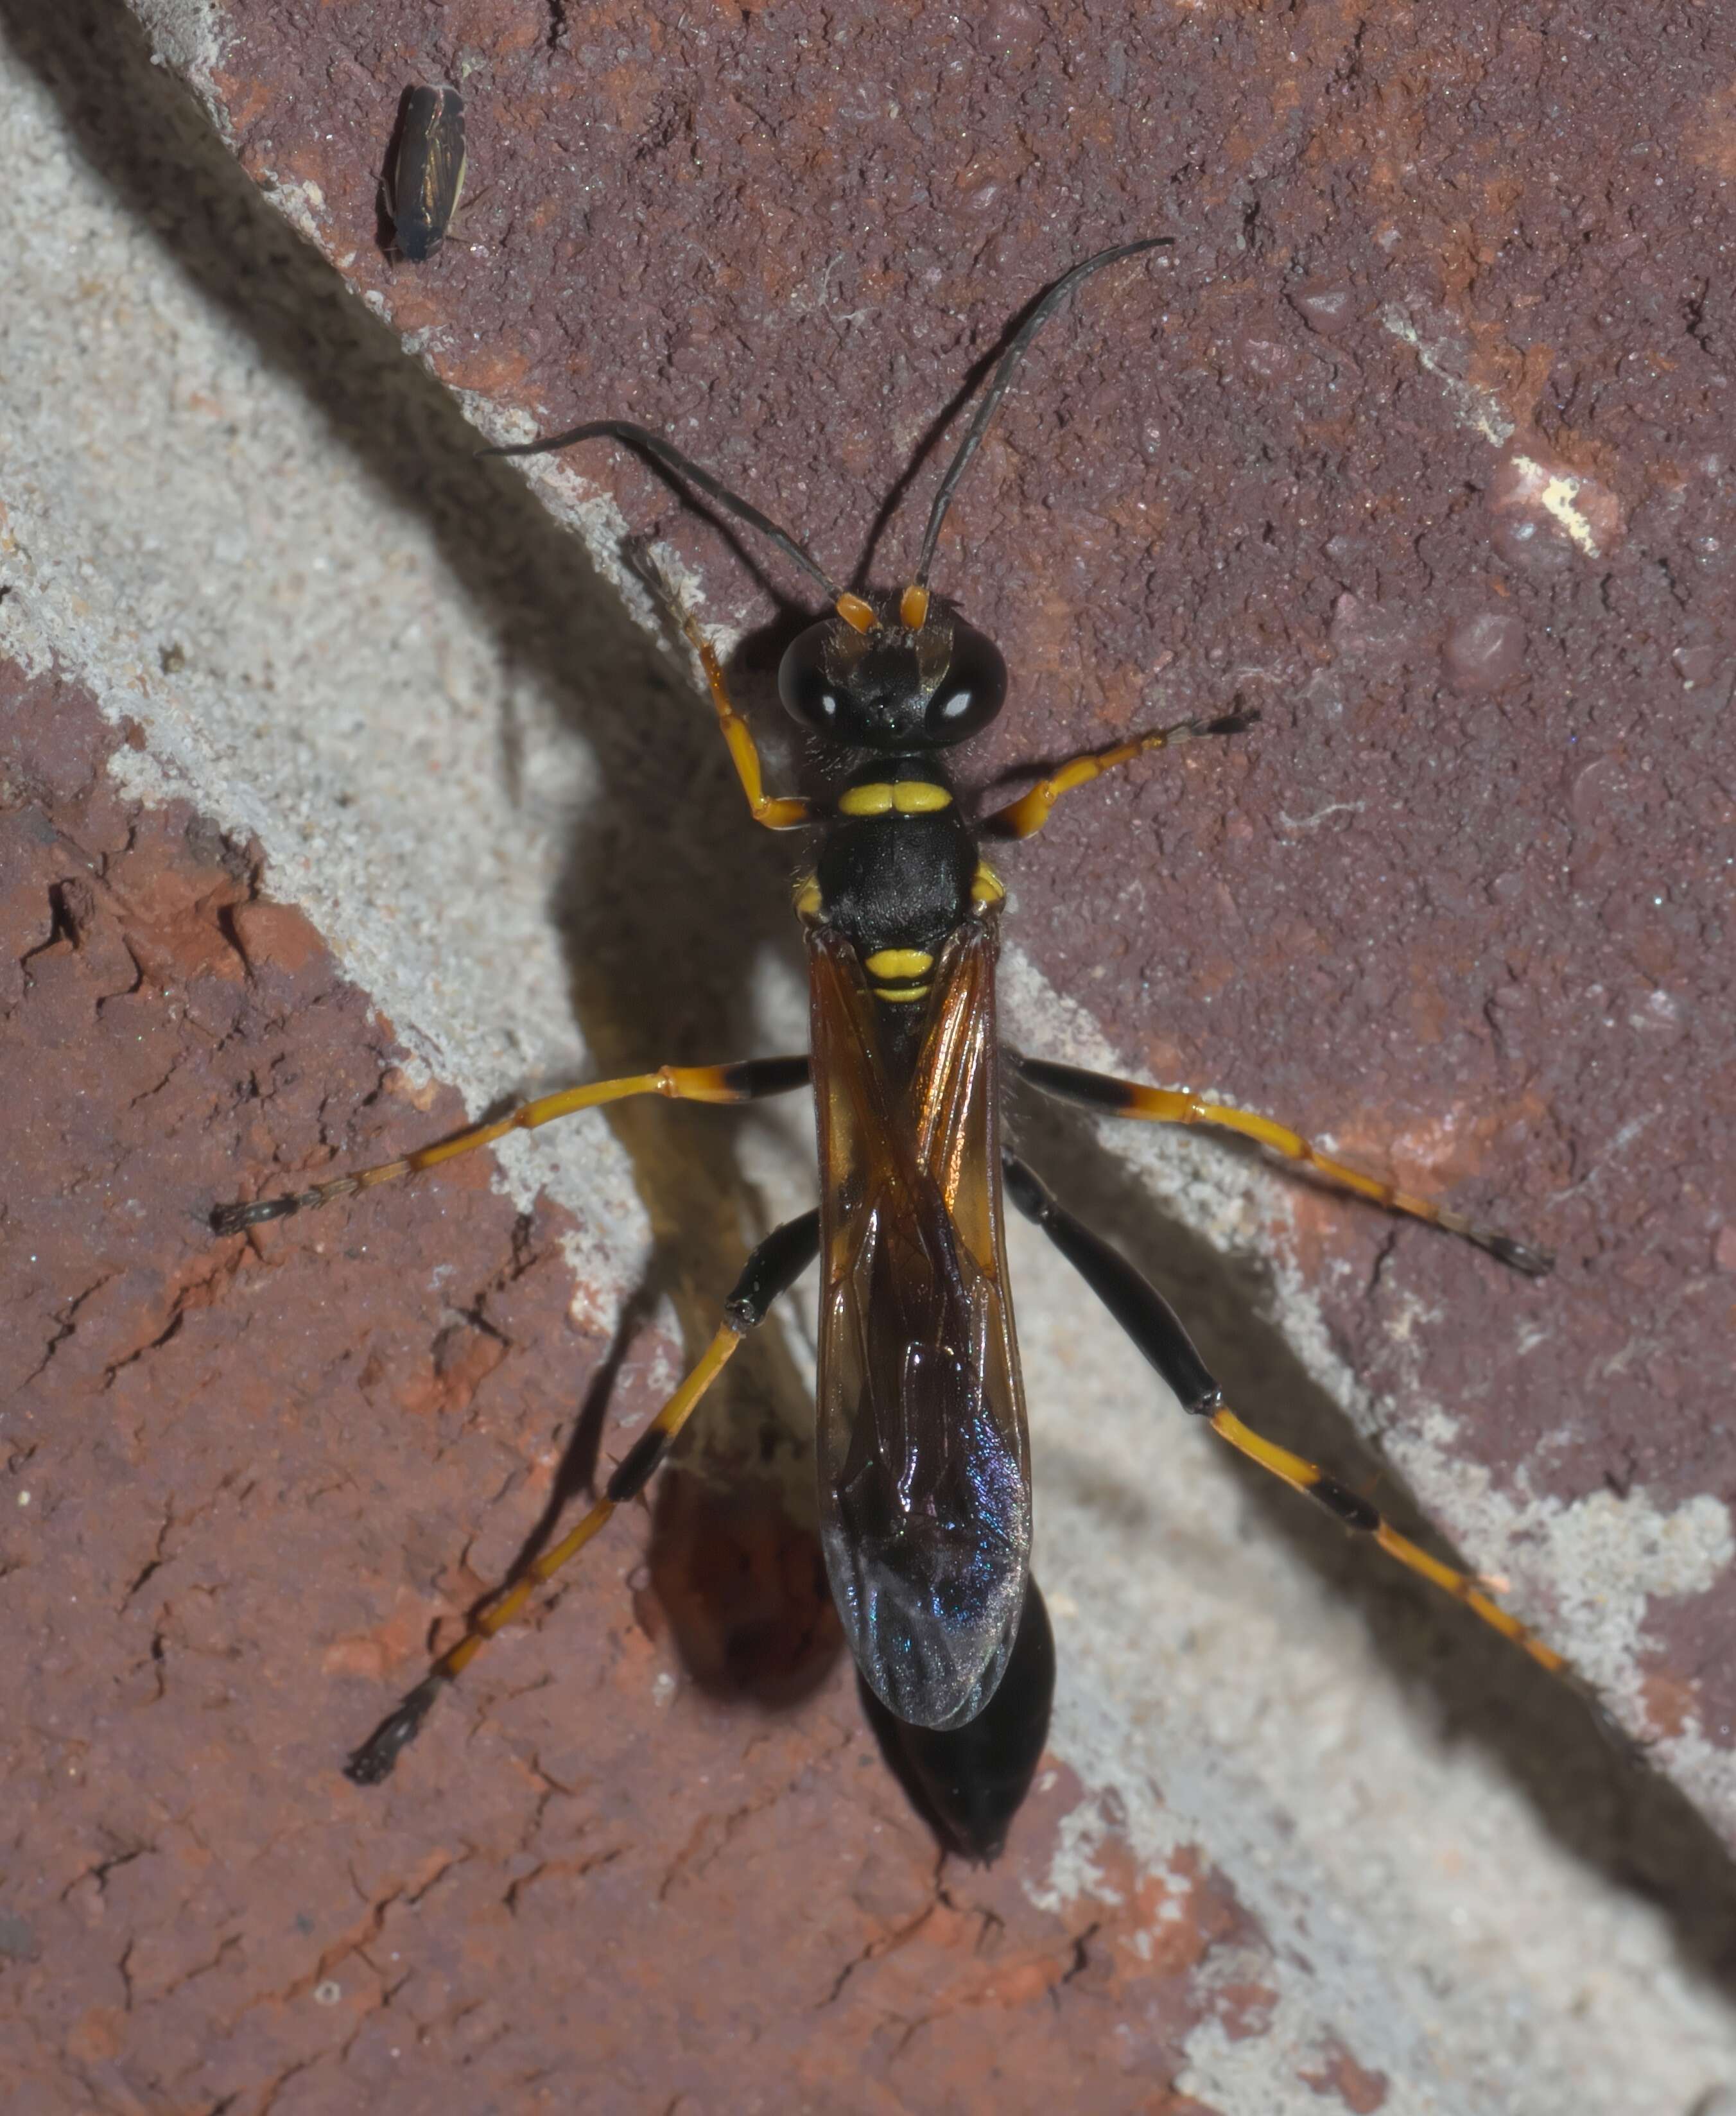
924,1462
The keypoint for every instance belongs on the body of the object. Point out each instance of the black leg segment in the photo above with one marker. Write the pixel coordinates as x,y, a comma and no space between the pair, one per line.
773,1268
1134,1302
1149,1320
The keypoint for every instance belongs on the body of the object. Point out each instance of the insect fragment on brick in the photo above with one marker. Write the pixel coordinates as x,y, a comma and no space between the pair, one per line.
427,171
923,1456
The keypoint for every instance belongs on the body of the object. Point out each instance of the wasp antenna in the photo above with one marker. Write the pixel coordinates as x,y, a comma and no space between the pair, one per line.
666,454
1004,374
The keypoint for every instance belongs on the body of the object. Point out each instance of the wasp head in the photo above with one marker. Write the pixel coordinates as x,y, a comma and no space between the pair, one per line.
865,681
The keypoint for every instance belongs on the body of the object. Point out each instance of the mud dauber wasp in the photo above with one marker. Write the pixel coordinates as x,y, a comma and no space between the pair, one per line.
923,1461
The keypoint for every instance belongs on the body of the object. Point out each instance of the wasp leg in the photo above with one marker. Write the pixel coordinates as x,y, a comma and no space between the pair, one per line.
772,1269
1127,1098
1026,815
1154,1327
774,812
747,1081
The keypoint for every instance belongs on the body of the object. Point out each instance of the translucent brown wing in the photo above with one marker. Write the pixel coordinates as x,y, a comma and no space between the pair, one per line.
924,1462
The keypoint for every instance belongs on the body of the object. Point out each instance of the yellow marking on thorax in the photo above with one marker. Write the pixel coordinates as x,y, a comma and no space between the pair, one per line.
987,886
809,904
908,797
889,963
898,995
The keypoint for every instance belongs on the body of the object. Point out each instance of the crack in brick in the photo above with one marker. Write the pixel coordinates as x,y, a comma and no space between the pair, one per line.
225,1947
689,1857
103,1868
203,1290
154,1562
66,1327
275,2087
145,1094
887,1942
552,1869
71,909
372,1925
154,1344
1081,1958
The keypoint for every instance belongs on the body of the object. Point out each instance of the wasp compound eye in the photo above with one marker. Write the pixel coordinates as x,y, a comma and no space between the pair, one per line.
971,692
809,693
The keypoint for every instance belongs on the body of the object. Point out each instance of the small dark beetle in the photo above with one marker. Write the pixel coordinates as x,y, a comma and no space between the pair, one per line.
428,171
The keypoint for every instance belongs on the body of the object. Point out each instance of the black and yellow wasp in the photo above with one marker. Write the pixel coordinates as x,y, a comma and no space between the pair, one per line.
924,1460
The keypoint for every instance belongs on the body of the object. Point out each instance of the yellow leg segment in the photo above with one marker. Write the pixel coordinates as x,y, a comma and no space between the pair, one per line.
1302,1475
1127,1098
653,1441
1156,1330
774,813
1026,815
772,1269
499,1614
742,1083
374,1760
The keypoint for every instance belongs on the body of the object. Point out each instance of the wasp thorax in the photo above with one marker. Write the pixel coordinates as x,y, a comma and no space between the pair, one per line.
892,689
